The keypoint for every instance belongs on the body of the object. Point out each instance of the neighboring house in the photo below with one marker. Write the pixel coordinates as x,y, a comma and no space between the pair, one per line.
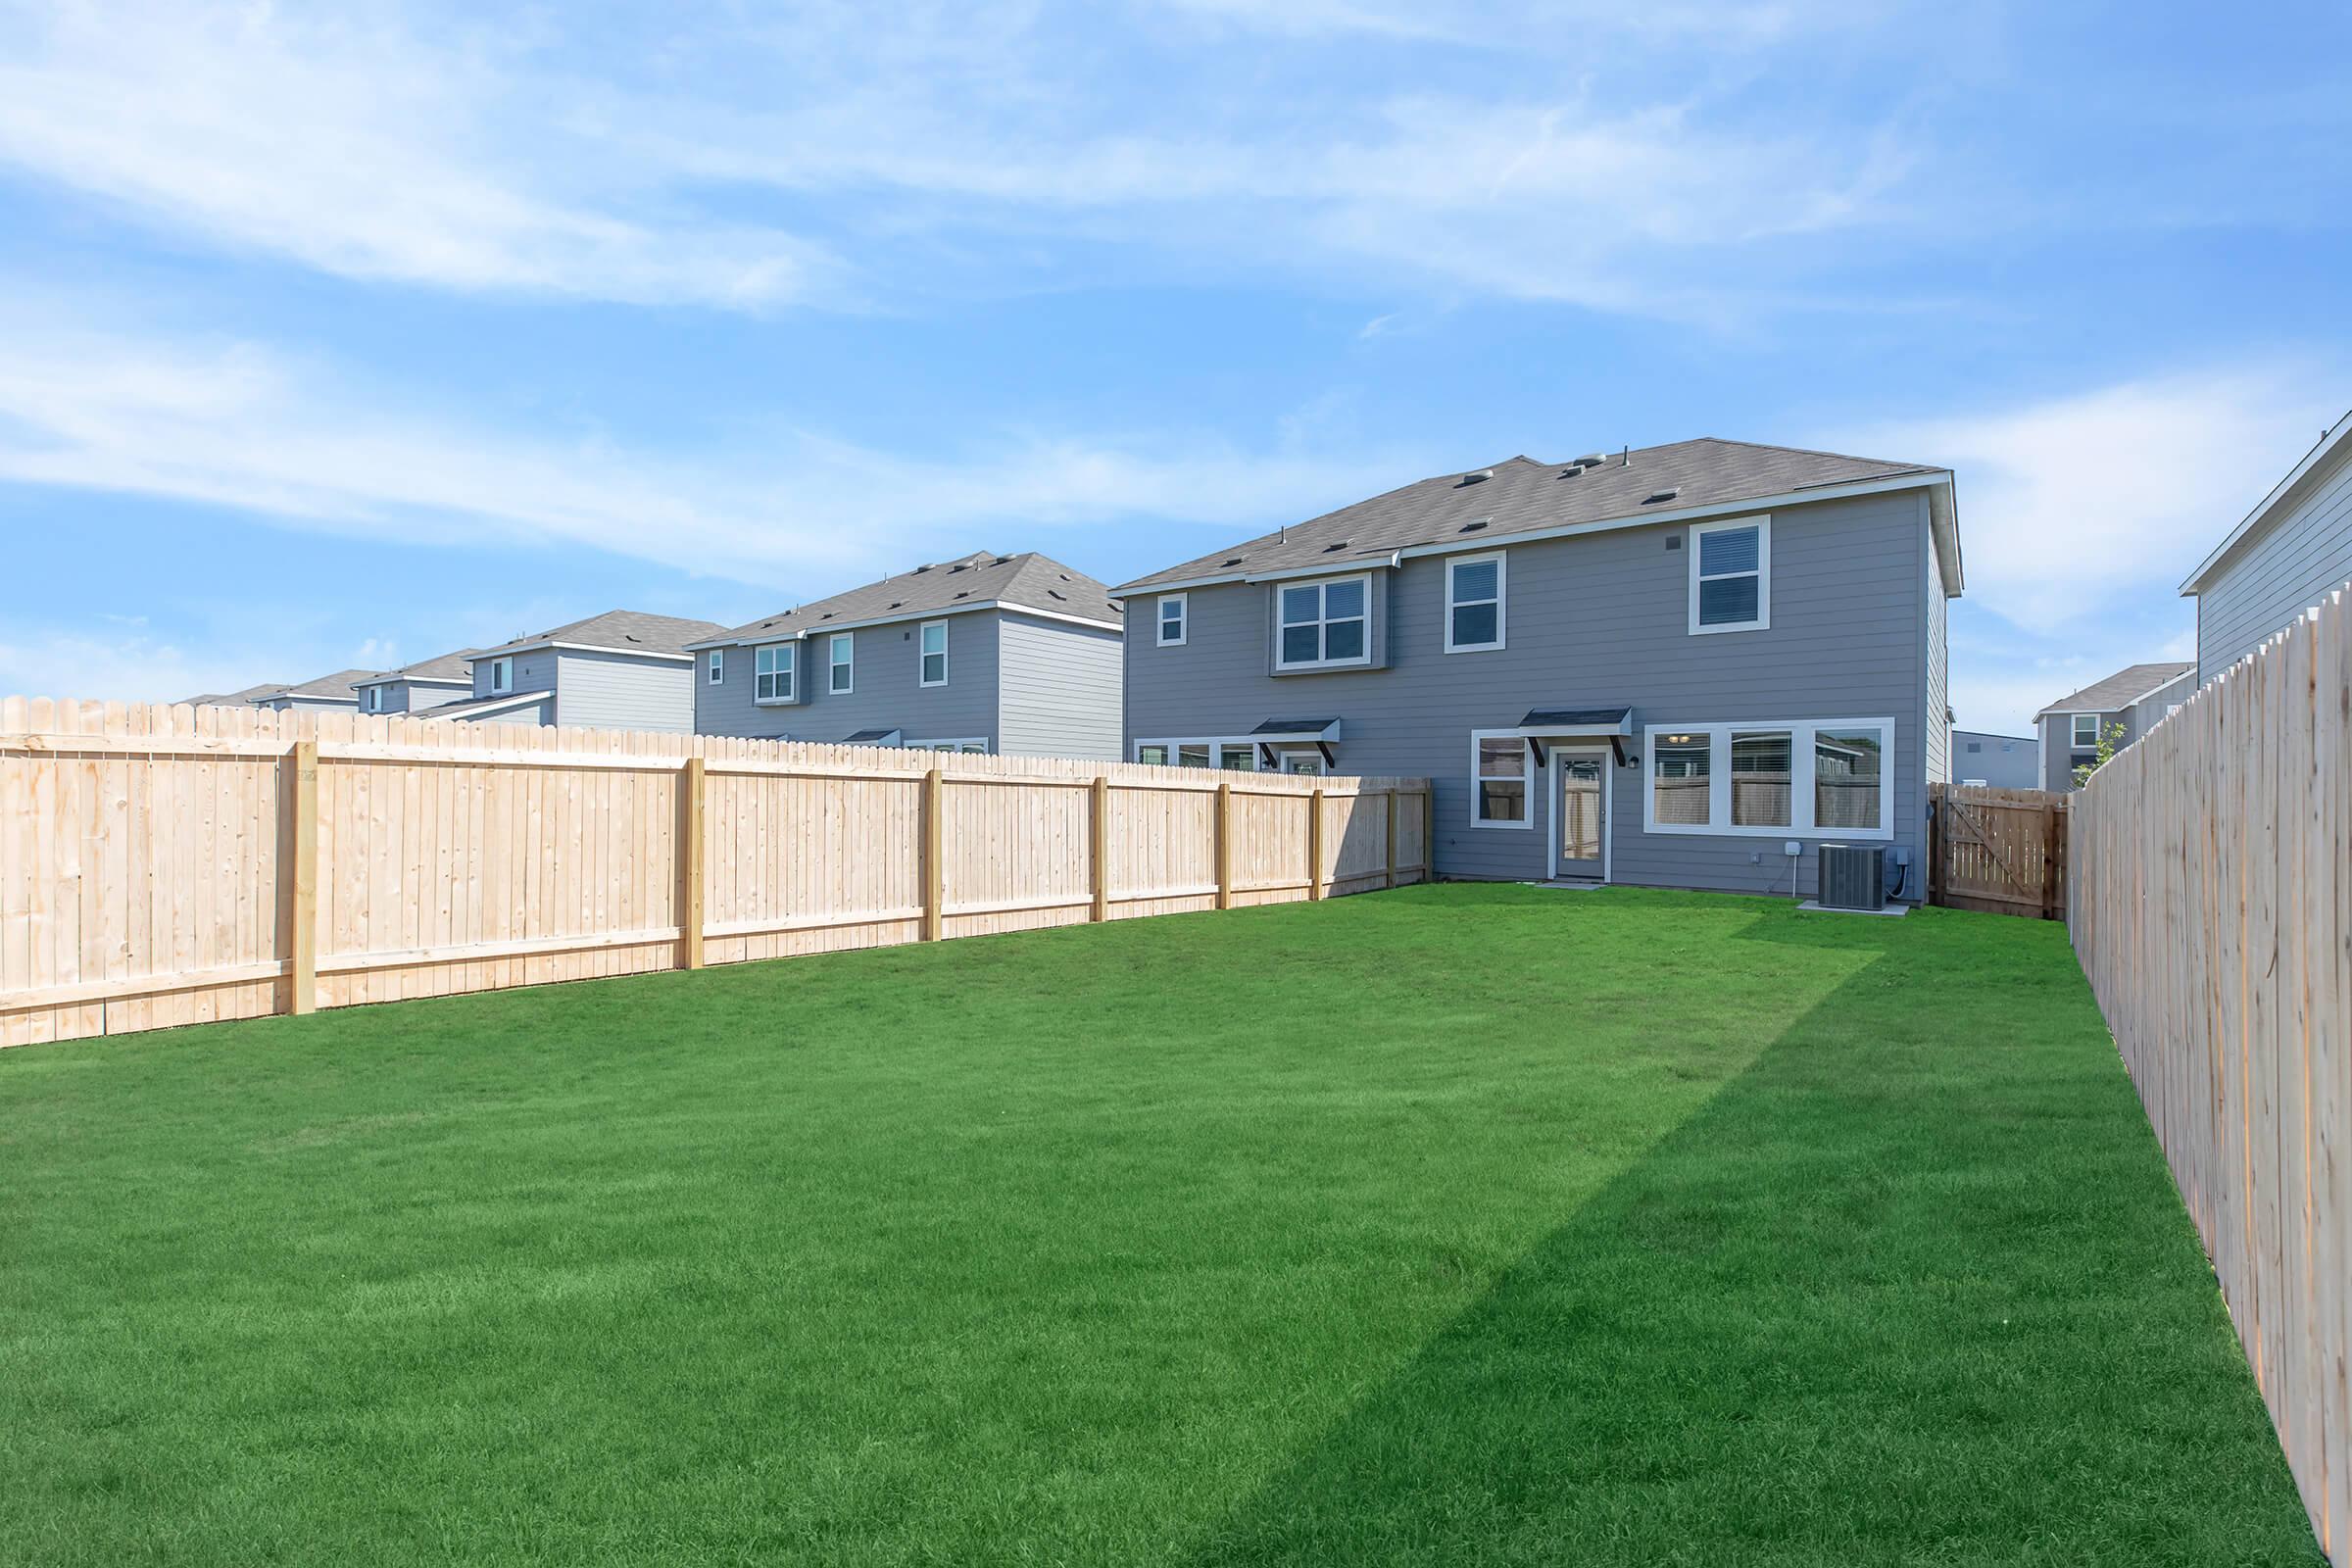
244,699
426,684
622,669
1017,655
2136,697
2289,552
338,693
2001,762
1661,667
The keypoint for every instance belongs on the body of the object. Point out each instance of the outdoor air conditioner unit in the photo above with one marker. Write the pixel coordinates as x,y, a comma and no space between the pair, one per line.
1853,877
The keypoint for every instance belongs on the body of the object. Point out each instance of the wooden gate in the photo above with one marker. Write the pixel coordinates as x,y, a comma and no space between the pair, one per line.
1998,850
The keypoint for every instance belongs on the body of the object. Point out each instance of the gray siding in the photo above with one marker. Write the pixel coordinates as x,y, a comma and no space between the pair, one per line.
888,693
410,697
1597,620
2057,730
623,691
310,705
2001,762
2306,553
1060,691
534,672
1938,724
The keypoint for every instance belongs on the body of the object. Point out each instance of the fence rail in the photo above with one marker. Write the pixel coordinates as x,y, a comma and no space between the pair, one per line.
2210,913
162,866
2001,851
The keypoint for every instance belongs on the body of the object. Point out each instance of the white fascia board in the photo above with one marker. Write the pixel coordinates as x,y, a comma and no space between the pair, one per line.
820,629
2332,441
581,648
2190,673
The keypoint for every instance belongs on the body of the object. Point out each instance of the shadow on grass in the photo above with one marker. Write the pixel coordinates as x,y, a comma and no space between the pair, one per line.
1914,1288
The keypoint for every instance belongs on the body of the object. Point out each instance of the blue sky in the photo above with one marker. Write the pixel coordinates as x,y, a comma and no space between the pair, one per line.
347,335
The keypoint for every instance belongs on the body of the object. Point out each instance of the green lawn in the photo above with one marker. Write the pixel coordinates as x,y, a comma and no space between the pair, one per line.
1456,1225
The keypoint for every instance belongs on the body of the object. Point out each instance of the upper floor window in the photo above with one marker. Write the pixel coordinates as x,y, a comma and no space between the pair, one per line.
376,699
845,657
935,652
1324,624
1731,576
2086,730
716,661
1473,604
1173,609
502,675
772,674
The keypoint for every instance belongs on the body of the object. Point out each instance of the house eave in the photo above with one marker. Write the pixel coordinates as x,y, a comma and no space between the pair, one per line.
2334,439
803,633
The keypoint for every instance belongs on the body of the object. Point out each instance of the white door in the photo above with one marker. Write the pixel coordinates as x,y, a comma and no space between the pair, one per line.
1302,763
1583,818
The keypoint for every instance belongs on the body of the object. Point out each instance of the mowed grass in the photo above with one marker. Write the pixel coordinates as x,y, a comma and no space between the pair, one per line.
1453,1225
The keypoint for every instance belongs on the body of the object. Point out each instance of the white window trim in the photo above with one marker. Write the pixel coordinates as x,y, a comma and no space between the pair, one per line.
1527,780
791,675
715,666
1763,574
1218,746
2074,732
835,665
1801,733
502,676
977,744
1503,573
921,654
1184,618
1283,666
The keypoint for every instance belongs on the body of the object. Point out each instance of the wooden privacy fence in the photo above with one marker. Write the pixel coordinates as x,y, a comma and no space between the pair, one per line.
166,865
1998,850
2210,912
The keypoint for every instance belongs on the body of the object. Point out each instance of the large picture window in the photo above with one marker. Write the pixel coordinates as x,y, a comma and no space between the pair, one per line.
772,674
1731,576
1785,779
1501,782
1474,603
1324,625
1236,754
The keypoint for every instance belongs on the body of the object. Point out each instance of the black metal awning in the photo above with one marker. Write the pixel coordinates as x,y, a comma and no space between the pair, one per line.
875,737
1613,722
1291,734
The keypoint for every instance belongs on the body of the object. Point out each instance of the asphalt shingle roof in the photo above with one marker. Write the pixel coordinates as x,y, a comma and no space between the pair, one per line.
2120,690
1028,581
342,684
1520,495
456,667
243,698
629,631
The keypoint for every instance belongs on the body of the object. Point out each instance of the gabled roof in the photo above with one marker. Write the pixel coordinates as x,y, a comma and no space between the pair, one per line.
2335,445
1519,498
244,699
624,631
982,580
448,670
2120,690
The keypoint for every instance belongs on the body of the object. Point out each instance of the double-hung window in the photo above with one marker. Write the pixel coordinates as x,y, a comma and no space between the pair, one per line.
1325,624
773,673
2087,731
376,699
844,654
1173,610
1795,779
1474,603
935,653
502,675
1501,783
716,661
1731,576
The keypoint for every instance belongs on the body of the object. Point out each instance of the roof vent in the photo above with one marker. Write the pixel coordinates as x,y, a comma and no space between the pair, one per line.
1064,577
958,566
966,593
1656,496
1232,561
1475,525
1478,477
896,603
919,570
1571,471
1001,560
1590,460
827,615
1331,548
1056,593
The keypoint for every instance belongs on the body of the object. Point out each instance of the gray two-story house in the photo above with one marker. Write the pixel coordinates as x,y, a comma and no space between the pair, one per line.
1012,655
2130,702
1688,665
2290,552
428,683
1996,762
622,669
338,693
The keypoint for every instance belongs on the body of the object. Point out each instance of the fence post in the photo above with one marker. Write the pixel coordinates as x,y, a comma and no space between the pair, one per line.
2051,840
1389,866
1100,827
933,872
1315,845
1939,802
1429,830
690,865
1224,844
302,989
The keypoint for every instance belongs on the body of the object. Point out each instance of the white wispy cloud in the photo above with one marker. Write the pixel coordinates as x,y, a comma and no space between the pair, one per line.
240,425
